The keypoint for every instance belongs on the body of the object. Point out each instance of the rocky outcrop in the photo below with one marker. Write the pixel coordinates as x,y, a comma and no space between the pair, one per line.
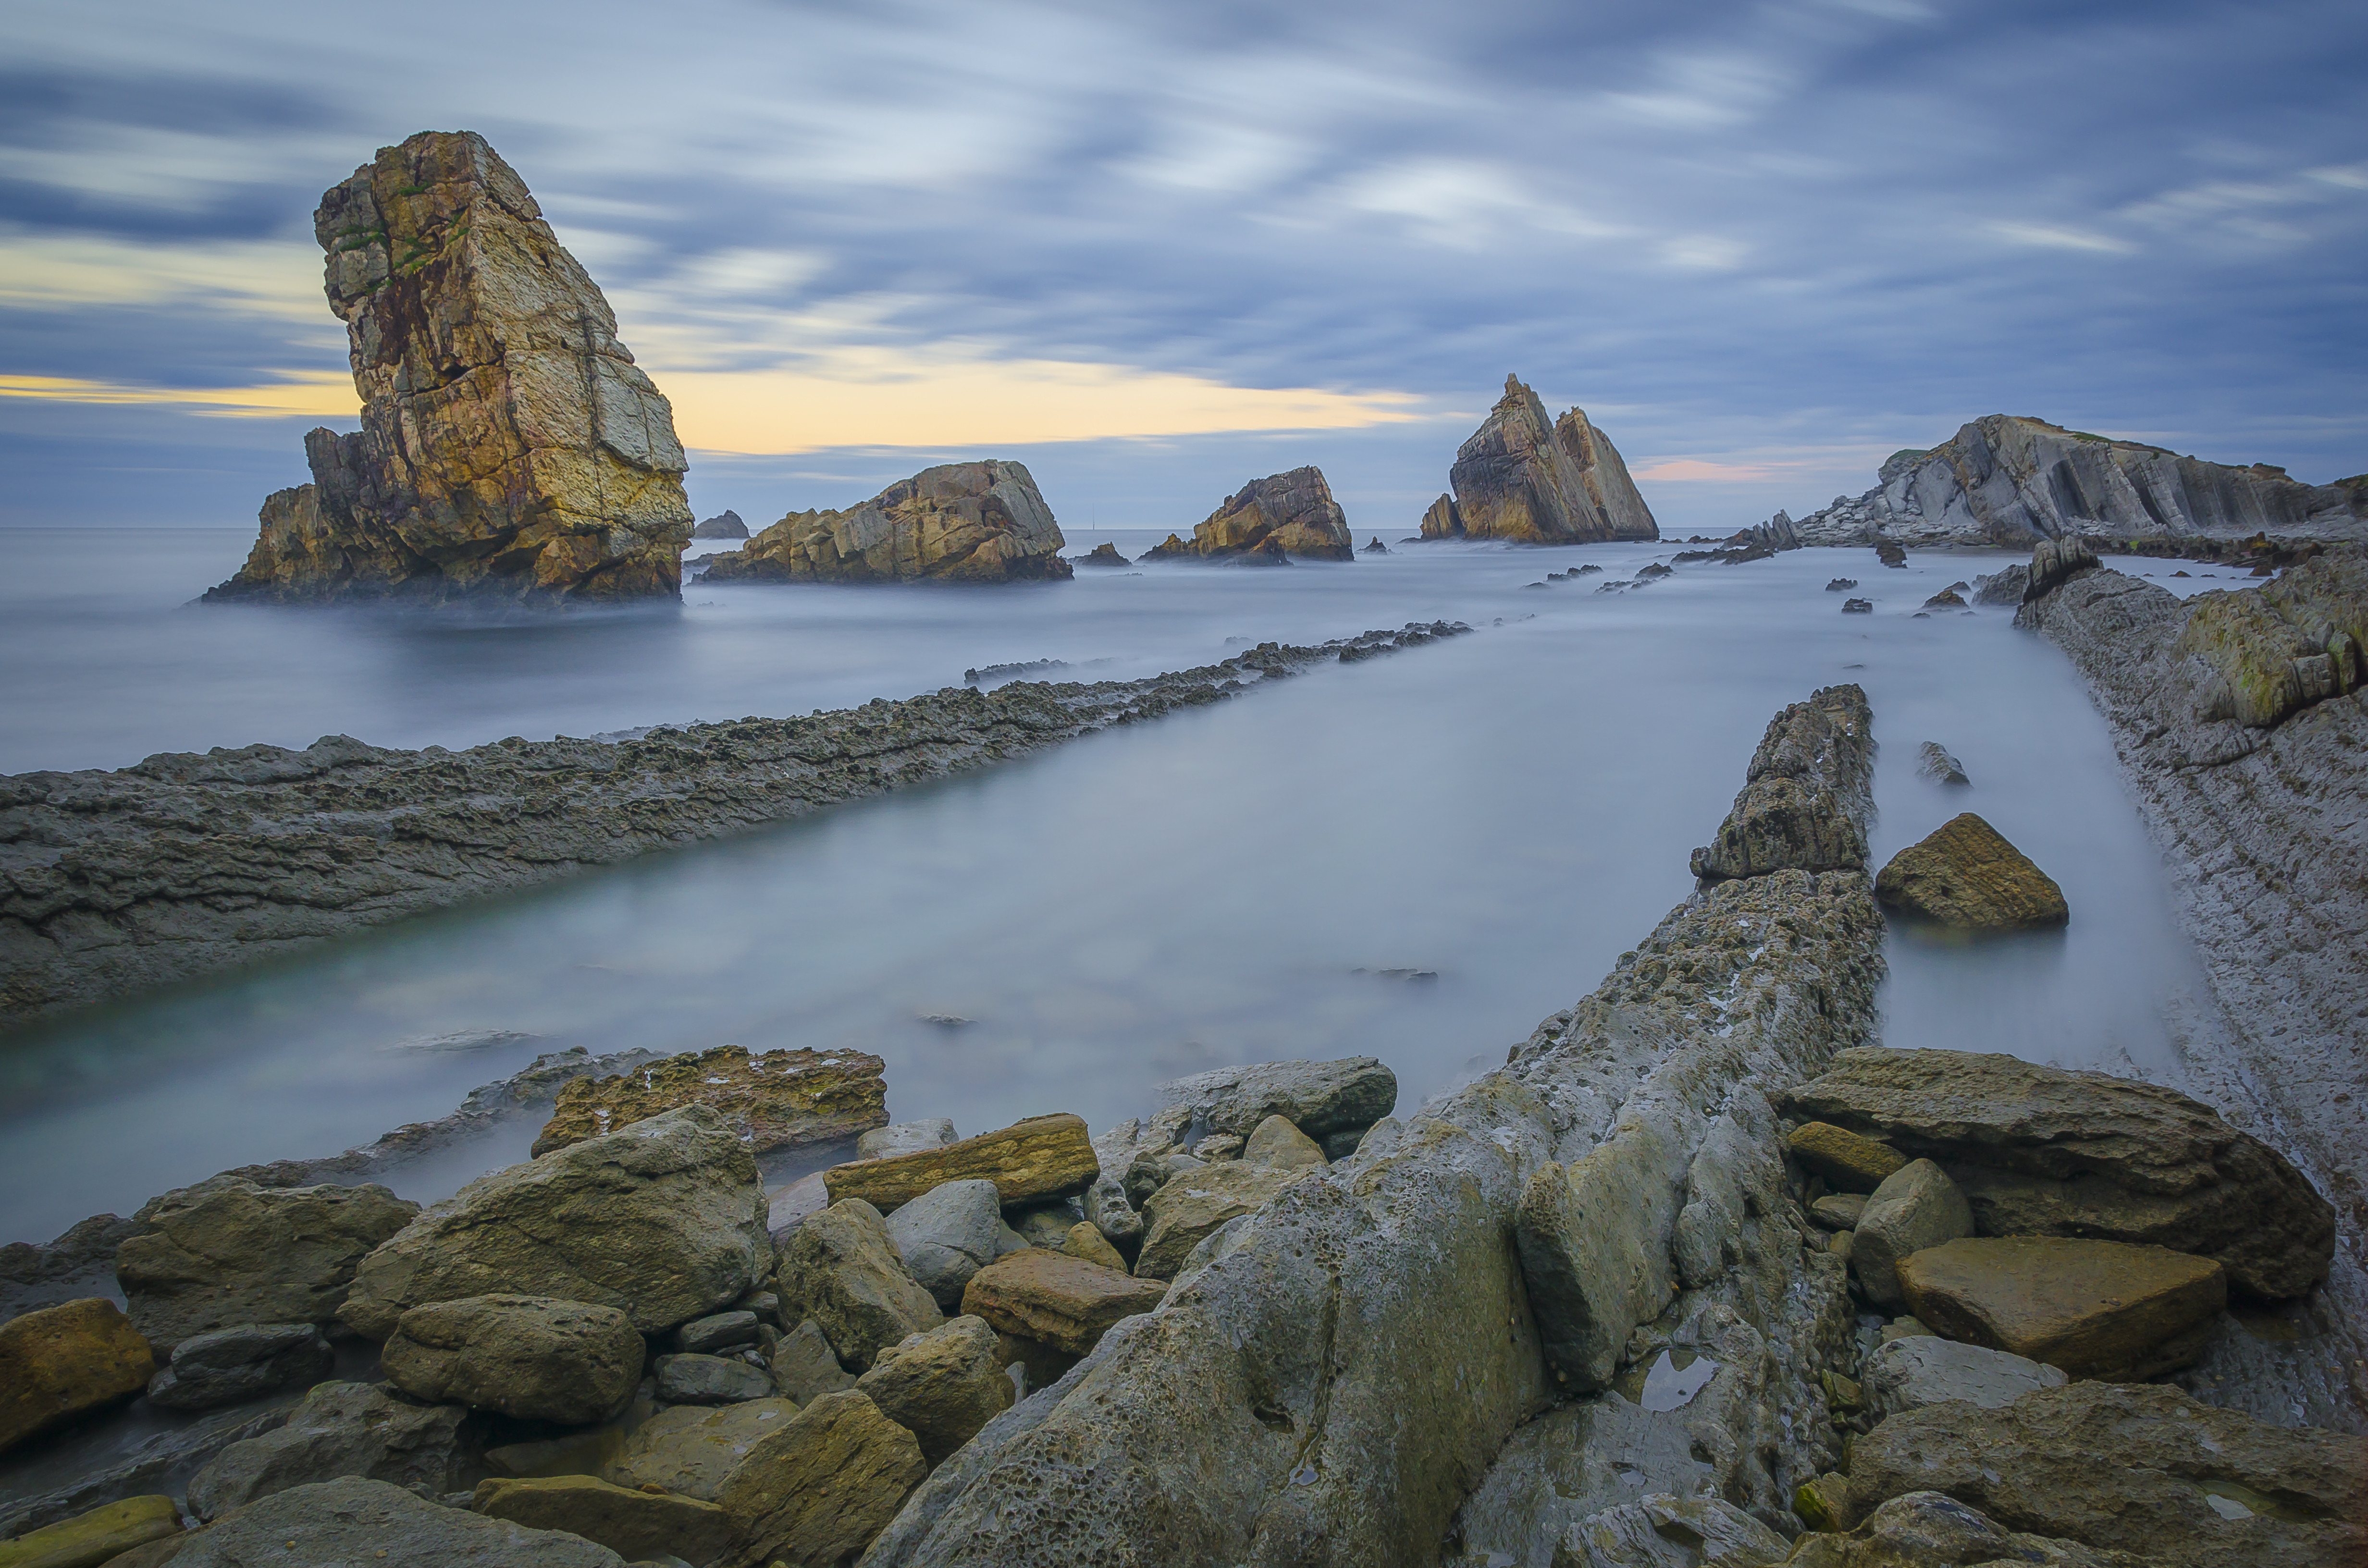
2256,656
2105,1309
1964,874
972,522
1103,554
66,1361
774,1100
111,883
1520,477
510,450
1807,794
1292,512
724,525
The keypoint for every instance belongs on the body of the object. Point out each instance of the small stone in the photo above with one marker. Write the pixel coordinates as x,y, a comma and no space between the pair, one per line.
1108,1210
631,1523
1086,1242
63,1361
1217,1146
1841,584
1150,1172
1705,1529
1823,1504
1838,1210
1905,1327
1916,1370
718,1331
1060,1301
941,1386
1858,606
1966,875
842,1270
1278,1142
1851,1163
2104,1309
527,1356
806,1367
691,1449
1195,1203
819,1490
99,1536
1917,1206
1843,1244
710,1379
1044,1156
774,1100
906,1137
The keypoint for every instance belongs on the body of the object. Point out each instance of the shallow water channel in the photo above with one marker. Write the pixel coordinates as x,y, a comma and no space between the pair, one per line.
1507,811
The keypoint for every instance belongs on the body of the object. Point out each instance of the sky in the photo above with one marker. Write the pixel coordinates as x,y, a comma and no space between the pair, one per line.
1156,250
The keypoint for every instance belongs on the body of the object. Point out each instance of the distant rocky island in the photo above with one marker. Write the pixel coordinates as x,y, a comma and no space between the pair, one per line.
972,522
1521,477
1268,520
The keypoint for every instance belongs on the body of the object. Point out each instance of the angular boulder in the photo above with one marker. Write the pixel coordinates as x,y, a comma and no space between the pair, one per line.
2095,1309
1058,1299
1521,477
1277,1141
1292,512
969,522
2141,1469
710,1379
842,1270
1915,1370
1594,1242
1044,1156
1806,795
2049,1151
100,1536
941,1386
635,1525
63,1361
948,1234
691,1449
510,448
368,1524
773,1100
528,1357
1318,1097
664,1220
1964,874
226,1366
1190,1207
806,1367
345,1429
1850,1162
817,1491
1917,1206
228,1252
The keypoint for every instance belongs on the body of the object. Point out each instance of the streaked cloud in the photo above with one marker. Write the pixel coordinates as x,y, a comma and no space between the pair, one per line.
304,394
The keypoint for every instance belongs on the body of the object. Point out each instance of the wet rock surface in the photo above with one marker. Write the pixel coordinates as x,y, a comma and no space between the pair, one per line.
1915,1370
970,522
1965,874
773,1100
1521,477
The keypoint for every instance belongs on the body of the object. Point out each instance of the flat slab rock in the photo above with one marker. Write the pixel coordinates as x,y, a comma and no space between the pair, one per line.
1965,874
1044,1156
1065,1301
1917,1369
2095,1309
773,1100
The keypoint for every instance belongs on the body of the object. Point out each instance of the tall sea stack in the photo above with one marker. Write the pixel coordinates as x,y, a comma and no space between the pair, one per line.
1521,477
510,450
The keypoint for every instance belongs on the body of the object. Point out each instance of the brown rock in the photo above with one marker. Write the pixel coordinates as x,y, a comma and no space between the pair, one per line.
777,1099
1806,799
1917,1206
2095,1309
1057,1300
1292,512
842,1270
972,522
2276,649
1847,1161
814,1493
102,1535
1520,478
1966,875
635,1525
1194,1204
2141,1469
691,1449
528,1357
510,447
57,1363
941,1386
1044,1156
2047,1150
1087,1243
1276,1143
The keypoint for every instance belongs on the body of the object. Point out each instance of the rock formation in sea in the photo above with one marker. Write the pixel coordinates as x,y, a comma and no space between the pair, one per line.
2011,481
1293,513
1521,477
510,450
724,525
970,522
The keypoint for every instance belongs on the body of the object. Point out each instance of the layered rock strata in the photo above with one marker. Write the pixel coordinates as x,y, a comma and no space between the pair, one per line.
1335,1374
1807,794
972,522
774,1099
1294,513
510,450
111,883
1523,477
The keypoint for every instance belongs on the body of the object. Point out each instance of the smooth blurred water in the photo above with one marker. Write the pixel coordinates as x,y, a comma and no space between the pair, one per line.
1512,810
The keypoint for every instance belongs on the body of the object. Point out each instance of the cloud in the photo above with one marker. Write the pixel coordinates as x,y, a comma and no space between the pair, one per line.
309,395
278,279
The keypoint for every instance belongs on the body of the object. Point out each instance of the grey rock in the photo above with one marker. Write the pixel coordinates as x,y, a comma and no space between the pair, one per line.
1108,1210
530,1357
842,1270
1149,1173
1594,1238
941,1386
1917,1369
228,1365
345,1430
157,1466
905,1137
710,1380
1838,1210
718,1331
1318,1097
663,1220
78,1265
806,1367
1044,1225
1917,1206
725,524
1293,513
1933,762
1807,796
1668,1531
1340,1145
1196,1203
2004,587
361,1521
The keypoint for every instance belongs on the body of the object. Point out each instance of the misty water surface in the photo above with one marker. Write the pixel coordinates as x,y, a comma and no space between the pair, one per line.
1510,810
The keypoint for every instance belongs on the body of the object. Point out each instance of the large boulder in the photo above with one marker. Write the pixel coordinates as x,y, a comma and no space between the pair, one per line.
1292,512
1192,1206
818,1490
228,1252
691,1449
1915,1370
636,1525
99,1536
969,522
805,1366
509,448
2048,1150
948,1234
1805,797
345,1430
1044,1156
2141,1469
664,1220
2264,653
774,1100
528,1357
1521,477
1965,874
354,1522
1594,1240
1318,1097
1058,1299
941,1386
226,1366
1917,1206
840,1269
63,1361
2095,1309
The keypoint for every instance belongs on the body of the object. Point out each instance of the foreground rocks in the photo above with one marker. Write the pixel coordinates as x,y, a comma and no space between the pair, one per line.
1044,1156
66,1361
510,450
1520,477
232,1365
822,1487
524,1356
971,522
354,1521
776,1100
842,1270
1966,875
346,1430
1292,513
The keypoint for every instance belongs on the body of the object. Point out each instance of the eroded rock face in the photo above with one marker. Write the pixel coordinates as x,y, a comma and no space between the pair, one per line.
1806,797
510,450
724,525
1195,1204
528,1357
63,1361
947,1234
664,1220
1521,477
231,1365
972,522
2050,1151
100,1536
1965,874
1294,512
2265,652
774,1100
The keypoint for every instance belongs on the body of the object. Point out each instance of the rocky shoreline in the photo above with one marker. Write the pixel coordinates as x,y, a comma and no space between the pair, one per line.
185,865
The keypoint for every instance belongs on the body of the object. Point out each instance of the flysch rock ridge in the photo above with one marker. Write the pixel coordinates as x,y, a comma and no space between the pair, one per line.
1330,1378
185,864
2265,834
